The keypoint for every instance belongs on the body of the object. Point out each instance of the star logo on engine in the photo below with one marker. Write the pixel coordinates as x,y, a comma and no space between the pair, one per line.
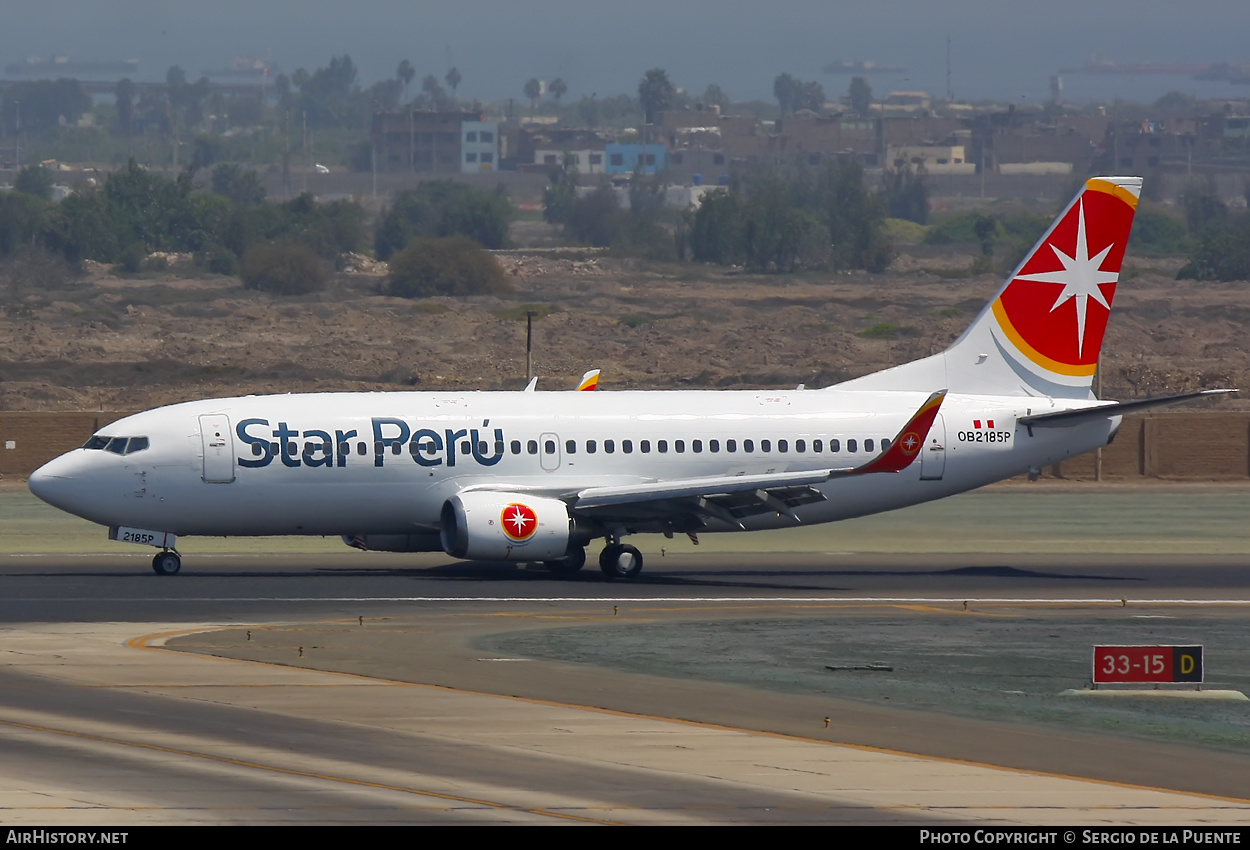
519,521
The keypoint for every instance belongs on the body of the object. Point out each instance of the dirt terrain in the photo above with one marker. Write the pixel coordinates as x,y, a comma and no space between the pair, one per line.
102,340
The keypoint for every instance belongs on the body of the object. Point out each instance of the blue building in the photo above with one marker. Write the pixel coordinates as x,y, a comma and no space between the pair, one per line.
479,146
626,159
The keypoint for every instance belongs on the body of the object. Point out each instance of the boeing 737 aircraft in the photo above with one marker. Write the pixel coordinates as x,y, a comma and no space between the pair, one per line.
538,476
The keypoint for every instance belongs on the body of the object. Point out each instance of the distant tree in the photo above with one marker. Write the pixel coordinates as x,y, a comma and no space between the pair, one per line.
589,110
778,221
906,194
433,91
533,89
860,95
34,180
656,93
787,90
383,95
124,92
22,217
714,96
442,208
405,73
451,266
452,78
560,194
1174,103
812,96
558,88
1202,206
43,104
283,268
204,151
238,185
1221,251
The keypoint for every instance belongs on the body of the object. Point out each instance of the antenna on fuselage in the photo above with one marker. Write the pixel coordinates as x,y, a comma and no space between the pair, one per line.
529,344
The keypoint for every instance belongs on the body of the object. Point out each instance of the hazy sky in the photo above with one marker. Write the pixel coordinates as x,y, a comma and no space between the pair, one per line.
1000,50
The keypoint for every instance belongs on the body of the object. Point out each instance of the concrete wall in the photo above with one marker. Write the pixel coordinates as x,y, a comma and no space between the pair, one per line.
1182,446
28,440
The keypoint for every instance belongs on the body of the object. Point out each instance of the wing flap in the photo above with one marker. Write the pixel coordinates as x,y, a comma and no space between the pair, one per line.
762,489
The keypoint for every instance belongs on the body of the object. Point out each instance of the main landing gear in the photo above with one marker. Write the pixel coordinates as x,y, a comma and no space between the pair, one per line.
617,560
166,563
620,560
570,564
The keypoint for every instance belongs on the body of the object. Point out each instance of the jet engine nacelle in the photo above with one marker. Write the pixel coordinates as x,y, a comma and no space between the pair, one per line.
493,526
394,542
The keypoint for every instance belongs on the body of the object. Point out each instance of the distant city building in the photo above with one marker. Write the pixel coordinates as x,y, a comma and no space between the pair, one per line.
479,146
627,159
419,140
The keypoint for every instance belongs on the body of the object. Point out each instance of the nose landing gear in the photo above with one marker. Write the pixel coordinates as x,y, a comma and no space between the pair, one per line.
166,563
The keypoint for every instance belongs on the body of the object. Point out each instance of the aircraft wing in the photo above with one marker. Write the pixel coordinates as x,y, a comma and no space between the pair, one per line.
731,497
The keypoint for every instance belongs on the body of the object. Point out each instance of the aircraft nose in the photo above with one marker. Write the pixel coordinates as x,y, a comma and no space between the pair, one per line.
45,483
59,482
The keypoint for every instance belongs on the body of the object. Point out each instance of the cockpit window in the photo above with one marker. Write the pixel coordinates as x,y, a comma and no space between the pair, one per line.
117,445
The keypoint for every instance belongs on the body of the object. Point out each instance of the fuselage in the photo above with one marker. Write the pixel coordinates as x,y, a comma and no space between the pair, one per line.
385,463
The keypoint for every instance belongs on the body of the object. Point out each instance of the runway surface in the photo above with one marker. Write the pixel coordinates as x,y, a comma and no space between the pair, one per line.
412,689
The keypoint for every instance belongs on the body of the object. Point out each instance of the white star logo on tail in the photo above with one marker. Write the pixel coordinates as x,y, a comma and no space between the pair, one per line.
1080,277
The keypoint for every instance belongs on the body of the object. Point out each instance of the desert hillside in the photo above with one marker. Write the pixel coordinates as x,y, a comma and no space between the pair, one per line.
100,340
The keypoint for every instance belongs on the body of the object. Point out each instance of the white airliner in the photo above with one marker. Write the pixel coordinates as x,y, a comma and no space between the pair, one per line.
537,476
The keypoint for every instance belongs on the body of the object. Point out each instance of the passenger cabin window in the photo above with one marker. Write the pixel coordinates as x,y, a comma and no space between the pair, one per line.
549,447
783,445
661,446
835,445
731,445
532,447
748,446
361,449
885,443
868,445
646,446
696,446
852,446
516,447
766,445
816,446
713,445
800,445
679,445
609,447
627,446
591,447
570,447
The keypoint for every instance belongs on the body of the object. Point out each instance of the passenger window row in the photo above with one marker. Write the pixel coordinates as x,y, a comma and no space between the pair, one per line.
591,447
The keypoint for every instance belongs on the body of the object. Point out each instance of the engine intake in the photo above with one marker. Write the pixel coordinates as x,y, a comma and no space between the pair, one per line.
492,526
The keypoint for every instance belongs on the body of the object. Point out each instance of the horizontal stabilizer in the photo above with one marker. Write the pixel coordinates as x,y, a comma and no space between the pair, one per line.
1068,418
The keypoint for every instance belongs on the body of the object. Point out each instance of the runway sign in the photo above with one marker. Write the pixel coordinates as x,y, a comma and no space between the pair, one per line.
1142,664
